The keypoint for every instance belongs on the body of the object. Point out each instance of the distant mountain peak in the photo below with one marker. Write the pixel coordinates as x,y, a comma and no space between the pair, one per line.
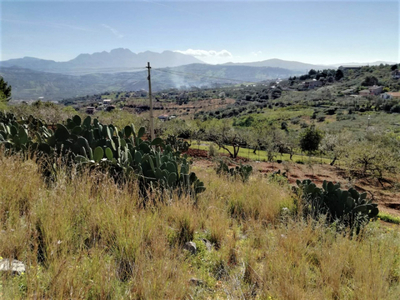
119,50
117,60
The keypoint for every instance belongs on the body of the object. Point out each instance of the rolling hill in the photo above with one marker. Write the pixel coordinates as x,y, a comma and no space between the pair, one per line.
301,67
280,63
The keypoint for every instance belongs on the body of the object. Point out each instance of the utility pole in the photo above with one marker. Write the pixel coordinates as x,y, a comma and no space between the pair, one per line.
151,103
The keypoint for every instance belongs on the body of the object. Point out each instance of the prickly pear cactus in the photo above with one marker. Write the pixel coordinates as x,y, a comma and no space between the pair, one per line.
242,171
350,208
88,143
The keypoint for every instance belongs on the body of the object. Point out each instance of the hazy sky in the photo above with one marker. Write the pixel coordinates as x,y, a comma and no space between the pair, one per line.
321,32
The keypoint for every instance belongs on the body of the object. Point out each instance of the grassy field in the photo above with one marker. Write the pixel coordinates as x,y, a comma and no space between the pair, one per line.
84,237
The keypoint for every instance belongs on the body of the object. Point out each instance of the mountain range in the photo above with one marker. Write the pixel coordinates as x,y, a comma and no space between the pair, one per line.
280,63
124,60
117,60
302,67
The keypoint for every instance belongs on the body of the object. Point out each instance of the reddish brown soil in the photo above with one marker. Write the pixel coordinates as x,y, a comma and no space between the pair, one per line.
197,153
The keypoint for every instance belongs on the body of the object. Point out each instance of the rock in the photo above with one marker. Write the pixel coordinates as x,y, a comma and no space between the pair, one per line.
14,266
191,247
196,281
208,244
285,211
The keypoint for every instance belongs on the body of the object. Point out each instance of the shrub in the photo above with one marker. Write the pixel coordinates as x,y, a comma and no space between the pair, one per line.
303,124
370,81
310,139
348,208
278,177
395,108
212,151
295,120
177,144
242,171
314,115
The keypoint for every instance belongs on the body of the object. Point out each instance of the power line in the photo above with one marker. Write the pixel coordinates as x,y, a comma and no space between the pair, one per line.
105,70
198,75
181,73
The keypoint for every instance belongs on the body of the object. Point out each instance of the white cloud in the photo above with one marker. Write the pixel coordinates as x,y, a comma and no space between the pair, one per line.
256,53
113,30
206,53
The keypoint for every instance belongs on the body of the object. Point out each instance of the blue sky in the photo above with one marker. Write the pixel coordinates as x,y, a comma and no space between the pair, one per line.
323,32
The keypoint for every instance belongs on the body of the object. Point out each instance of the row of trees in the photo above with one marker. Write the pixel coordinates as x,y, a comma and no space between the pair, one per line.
372,153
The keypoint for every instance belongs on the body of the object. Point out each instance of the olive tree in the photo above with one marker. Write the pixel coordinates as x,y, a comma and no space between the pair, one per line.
376,158
335,145
226,136
310,139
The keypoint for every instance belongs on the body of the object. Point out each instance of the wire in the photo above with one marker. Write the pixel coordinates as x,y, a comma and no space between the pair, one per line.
197,75
97,71
80,70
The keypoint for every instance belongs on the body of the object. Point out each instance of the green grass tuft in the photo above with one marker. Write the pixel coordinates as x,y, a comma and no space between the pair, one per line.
388,218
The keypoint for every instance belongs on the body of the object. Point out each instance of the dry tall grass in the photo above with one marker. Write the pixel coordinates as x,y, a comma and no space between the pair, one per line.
87,238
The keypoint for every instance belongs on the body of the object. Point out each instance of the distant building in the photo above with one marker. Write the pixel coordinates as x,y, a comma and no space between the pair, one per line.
394,95
163,117
364,93
107,101
90,110
166,117
376,90
372,91
311,84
